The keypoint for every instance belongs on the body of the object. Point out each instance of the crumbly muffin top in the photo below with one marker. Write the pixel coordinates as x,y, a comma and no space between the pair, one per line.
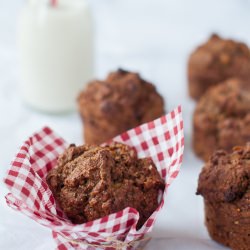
123,98
222,55
229,99
226,176
90,182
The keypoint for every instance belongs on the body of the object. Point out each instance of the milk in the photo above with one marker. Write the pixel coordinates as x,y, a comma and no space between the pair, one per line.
56,53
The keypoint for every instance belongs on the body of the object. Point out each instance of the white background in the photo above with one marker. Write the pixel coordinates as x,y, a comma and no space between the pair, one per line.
153,37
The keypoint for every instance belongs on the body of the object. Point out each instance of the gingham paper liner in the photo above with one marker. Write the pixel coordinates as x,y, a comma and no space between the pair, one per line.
161,139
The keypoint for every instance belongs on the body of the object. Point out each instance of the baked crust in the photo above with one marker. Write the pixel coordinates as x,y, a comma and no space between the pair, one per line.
121,102
215,61
90,182
225,185
222,118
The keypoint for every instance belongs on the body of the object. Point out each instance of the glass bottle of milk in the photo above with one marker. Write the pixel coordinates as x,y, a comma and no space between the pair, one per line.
56,53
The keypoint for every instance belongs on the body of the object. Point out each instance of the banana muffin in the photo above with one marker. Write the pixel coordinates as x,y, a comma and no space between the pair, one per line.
121,102
90,182
224,184
215,61
222,118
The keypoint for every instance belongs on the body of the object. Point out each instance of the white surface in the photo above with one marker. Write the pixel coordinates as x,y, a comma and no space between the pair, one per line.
56,46
153,37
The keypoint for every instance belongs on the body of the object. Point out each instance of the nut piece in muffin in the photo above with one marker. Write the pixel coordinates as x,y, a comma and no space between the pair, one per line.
215,61
224,184
121,102
90,182
222,118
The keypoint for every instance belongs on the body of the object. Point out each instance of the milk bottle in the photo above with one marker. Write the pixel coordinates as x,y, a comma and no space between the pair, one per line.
56,53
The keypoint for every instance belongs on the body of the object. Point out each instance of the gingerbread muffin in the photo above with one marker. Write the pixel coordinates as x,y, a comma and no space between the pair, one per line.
215,61
224,184
123,101
222,118
90,182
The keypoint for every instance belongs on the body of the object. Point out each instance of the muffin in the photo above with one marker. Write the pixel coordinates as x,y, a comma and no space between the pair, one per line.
90,182
215,61
121,102
224,184
222,118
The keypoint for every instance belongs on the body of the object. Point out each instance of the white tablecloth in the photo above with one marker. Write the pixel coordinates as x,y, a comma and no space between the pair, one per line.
153,37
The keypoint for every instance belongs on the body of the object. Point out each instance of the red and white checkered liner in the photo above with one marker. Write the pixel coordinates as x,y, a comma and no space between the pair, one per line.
161,139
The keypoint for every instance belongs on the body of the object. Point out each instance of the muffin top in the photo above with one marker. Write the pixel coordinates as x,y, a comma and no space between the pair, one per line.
90,182
123,98
220,59
222,115
226,176
229,99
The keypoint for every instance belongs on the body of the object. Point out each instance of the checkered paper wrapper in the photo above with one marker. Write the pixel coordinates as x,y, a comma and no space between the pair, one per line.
161,139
